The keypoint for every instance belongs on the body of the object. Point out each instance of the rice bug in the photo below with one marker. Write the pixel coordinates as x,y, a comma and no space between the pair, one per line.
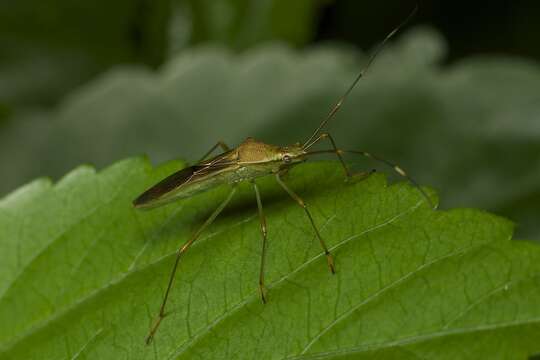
250,160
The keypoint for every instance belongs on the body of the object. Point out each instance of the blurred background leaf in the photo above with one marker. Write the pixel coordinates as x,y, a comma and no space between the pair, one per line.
471,129
244,23
50,48
47,49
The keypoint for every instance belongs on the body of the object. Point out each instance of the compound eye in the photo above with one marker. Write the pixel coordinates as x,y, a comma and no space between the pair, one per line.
286,159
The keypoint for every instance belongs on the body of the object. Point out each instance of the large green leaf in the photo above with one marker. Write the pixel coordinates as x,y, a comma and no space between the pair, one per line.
83,273
470,129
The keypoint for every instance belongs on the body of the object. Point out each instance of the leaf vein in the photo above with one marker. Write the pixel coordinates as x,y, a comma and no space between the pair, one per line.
189,343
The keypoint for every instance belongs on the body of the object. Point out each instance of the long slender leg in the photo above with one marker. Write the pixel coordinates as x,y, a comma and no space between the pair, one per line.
399,170
301,202
396,168
213,148
262,289
179,253
336,150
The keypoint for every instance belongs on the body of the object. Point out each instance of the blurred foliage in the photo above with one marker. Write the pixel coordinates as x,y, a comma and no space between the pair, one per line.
470,130
503,27
244,23
84,273
49,48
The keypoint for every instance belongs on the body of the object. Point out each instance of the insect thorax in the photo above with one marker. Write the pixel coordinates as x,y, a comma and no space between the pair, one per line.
253,151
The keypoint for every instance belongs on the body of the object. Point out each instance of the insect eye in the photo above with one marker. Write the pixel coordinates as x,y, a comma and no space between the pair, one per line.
286,159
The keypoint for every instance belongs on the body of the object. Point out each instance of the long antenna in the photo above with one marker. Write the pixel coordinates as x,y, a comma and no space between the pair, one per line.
378,49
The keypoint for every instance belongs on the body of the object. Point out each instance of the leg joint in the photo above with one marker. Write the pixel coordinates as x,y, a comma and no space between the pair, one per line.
183,249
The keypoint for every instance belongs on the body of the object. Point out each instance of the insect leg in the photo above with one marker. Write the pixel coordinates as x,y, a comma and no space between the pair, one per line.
396,168
179,253
337,151
213,148
301,202
262,289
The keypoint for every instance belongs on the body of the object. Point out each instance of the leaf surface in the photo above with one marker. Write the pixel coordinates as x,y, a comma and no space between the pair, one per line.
83,273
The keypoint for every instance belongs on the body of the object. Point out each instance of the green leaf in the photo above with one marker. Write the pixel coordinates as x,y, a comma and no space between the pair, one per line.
83,273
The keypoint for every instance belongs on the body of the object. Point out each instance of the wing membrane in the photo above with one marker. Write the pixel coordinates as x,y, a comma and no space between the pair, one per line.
184,177
166,185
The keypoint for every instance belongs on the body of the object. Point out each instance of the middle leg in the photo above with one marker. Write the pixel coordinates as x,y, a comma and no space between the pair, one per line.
339,154
262,289
301,202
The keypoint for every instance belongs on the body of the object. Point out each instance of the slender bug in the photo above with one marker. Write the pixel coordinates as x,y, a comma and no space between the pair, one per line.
250,160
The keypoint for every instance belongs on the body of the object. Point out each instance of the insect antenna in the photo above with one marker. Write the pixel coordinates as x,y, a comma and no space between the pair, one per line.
372,57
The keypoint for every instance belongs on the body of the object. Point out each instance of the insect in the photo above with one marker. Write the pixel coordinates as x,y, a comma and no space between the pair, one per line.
248,161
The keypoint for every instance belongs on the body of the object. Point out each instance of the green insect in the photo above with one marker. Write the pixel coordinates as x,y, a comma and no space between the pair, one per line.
250,160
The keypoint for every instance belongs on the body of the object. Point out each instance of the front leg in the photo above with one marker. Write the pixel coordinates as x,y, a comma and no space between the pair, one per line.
337,151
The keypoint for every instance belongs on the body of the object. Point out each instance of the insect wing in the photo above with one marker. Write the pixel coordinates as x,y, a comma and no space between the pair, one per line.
166,185
178,179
